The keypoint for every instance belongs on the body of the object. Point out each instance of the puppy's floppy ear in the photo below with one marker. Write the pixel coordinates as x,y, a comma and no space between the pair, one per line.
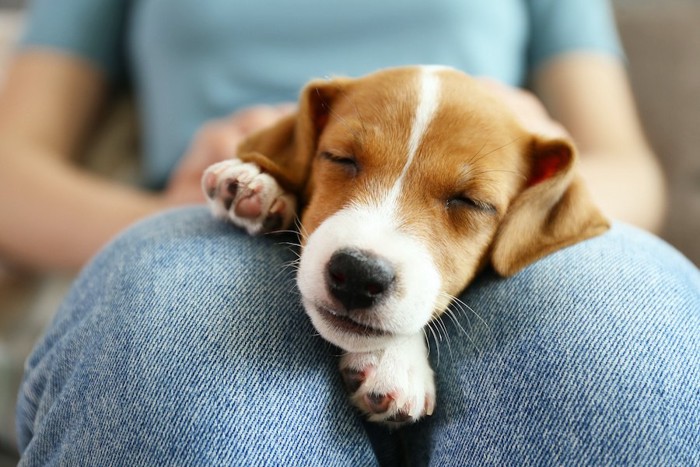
286,149
553,211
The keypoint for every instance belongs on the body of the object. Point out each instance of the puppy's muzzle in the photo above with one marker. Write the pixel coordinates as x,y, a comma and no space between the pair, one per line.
359,279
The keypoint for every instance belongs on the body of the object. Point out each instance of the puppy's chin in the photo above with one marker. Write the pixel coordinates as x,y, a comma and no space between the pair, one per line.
344,332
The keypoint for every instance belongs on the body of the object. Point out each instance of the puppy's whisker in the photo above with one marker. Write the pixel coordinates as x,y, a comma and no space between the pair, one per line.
498,170
472,340
281,231
459,307
284,231
283,275
426,339
517,174
291,267
437,329
301,230
293,248
476,158
437,343
452,313
463,306
296,260
439,322
479,151
335,354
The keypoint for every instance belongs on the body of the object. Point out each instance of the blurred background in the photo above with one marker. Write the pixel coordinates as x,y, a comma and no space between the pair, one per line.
662,42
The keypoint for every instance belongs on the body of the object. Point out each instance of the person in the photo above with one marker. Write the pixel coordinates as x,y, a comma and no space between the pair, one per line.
183,342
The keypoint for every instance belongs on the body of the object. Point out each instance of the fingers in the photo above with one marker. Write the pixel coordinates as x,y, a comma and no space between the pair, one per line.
255,118
218,140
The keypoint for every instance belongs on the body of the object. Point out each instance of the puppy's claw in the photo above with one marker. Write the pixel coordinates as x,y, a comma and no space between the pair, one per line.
400,417
429,406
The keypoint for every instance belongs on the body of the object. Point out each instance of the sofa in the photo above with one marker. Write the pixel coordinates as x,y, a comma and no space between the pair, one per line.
662,42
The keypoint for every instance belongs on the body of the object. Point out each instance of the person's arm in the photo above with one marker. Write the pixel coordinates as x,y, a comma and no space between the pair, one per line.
589,94
54,215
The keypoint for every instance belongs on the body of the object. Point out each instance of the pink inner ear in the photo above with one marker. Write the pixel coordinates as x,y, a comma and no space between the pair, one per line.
549,163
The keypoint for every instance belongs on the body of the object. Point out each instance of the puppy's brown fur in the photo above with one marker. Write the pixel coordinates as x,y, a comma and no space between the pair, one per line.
534,203
432,194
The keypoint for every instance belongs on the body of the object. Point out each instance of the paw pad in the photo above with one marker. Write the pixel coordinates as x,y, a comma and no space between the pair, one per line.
248,197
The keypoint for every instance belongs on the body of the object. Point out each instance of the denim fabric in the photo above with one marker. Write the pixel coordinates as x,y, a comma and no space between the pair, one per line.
183,343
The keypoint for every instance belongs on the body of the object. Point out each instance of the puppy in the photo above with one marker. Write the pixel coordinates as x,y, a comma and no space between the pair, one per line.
410,181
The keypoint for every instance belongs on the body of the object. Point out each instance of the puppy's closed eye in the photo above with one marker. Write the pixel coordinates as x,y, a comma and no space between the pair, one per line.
347,162
461,201
419,169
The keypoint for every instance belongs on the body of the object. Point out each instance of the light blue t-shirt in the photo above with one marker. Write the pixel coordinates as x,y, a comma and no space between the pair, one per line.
190,61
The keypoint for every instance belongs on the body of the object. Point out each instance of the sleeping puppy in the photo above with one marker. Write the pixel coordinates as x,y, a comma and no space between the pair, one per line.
410,181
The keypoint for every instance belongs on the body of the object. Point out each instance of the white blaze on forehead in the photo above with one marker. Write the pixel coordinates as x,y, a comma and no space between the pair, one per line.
373,224
428,101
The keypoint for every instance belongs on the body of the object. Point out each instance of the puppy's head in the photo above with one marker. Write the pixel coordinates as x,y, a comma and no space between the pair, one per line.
413,179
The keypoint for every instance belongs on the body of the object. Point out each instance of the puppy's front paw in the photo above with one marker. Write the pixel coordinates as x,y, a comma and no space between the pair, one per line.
393,386
251,199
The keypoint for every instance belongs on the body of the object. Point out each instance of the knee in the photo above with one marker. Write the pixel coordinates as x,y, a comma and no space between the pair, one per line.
596,343
623,273
187,252
180,324
622,307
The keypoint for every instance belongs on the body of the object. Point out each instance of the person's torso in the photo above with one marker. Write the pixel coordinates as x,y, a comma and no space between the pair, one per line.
194,61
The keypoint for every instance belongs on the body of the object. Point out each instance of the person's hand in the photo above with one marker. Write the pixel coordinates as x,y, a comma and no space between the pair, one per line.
526,107
215,141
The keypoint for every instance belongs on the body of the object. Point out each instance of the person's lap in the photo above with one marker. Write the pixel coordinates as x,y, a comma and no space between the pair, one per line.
184,342
590,355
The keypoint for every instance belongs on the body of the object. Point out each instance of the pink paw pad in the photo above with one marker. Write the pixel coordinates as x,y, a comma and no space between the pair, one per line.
249,206
378,403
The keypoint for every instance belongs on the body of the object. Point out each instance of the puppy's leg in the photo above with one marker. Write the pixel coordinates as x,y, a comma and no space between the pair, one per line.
394,385
241,193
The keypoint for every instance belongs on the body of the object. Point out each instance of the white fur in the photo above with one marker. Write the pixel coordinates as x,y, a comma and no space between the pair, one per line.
376,227
369,228
429,99
394,364
250,179
400,370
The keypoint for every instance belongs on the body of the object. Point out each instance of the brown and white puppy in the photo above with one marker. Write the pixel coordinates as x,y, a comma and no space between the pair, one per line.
411,180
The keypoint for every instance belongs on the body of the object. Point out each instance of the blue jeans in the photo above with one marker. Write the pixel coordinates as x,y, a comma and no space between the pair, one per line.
184,343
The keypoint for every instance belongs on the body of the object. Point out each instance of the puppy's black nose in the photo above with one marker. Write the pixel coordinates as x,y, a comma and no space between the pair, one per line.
358,279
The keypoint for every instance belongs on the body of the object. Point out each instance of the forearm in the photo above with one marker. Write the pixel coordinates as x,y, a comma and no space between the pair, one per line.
627,188
54,216
590,95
